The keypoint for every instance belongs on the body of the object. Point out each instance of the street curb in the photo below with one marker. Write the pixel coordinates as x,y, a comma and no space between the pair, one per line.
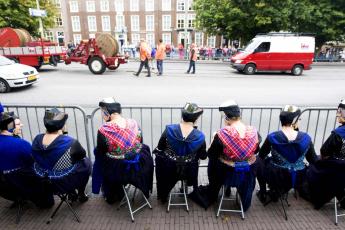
228,62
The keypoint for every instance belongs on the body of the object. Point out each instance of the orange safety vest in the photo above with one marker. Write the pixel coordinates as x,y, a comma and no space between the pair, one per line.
144,52
191,55
160,54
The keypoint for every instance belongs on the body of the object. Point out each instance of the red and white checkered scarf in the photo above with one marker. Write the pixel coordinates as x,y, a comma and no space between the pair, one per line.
121,140
235,147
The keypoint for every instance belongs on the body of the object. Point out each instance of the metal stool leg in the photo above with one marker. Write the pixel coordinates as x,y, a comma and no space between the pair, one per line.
282,203
238,198
55,211
336,211
128,203
72,210
221,202
185,195
63,199
19,211
127,200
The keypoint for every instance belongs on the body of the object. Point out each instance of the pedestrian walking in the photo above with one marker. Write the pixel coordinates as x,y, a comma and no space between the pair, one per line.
192,58
160,56
145,55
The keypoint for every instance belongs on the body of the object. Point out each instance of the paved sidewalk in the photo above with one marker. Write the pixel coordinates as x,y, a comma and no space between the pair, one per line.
97,214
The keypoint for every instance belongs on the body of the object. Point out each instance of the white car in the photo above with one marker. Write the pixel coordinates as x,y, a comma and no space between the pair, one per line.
13,75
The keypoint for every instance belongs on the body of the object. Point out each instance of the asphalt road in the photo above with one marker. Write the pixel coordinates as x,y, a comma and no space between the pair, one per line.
213,83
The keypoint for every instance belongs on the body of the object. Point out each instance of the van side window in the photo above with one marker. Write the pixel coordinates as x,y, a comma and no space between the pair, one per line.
263,47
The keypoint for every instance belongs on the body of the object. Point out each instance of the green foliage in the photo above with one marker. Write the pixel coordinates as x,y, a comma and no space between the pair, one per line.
15,14
245,18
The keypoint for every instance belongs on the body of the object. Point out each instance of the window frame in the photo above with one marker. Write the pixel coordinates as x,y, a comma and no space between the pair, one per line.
136,29
103,24
74,6
89,23
90,6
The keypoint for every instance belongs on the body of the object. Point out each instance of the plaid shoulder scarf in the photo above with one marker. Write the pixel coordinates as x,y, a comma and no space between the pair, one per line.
235,147
122,140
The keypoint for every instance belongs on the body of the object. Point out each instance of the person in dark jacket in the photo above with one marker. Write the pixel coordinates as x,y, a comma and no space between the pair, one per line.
285,168
326,176
18,182
232,159
178,152
120,156
61,159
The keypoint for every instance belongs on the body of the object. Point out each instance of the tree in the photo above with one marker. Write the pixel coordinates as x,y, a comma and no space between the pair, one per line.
15,14
246,18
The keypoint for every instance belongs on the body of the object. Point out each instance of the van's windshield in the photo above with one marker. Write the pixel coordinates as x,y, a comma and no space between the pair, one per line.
251,46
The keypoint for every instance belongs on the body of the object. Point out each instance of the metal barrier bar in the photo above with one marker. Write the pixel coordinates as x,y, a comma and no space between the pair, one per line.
30,116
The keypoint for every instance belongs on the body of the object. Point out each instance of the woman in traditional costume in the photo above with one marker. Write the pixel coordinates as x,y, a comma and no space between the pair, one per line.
179,150
60,158
121,158
285,168
326,176
232,159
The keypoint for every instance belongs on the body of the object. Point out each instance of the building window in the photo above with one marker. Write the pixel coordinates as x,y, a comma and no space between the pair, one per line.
73,5
104,5
211,41
58,20
166,5
199,38
134,5
120,21
49,35
166,20
180,21
180,5
106,23
191,20
135,22
135,39
150,39
92,23
190,4
92,36
76,38
90,6
119,7
149,5
57,3
166,38
75,23
150,23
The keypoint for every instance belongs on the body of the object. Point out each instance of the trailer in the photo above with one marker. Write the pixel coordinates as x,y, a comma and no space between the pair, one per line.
89,53
17,45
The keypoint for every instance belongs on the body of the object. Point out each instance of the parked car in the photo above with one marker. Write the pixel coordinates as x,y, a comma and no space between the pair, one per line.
14,75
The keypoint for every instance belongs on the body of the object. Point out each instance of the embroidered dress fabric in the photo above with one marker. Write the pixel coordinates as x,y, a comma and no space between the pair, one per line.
235,147
289,154
122,140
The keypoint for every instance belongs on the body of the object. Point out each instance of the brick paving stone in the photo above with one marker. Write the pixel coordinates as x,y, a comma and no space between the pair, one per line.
96,214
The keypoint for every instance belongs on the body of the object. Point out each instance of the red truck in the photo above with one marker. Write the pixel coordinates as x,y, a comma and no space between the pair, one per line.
17,45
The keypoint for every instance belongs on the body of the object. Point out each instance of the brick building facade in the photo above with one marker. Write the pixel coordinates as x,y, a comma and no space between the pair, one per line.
132,20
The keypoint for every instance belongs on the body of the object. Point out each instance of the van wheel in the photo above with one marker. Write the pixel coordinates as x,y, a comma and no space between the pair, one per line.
297,70
4,87
97,65
249,69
